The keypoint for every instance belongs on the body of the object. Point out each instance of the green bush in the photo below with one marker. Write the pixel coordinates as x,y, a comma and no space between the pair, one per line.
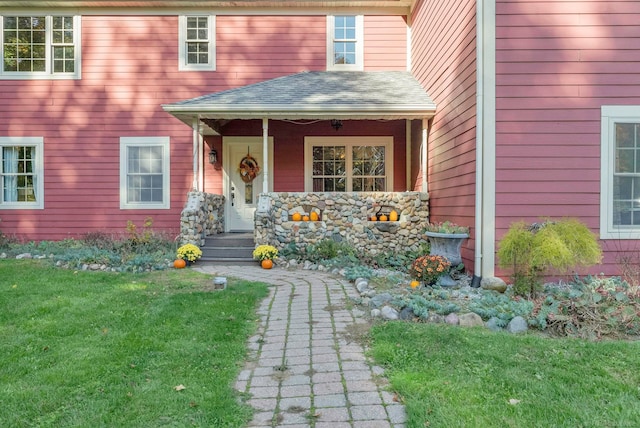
553,246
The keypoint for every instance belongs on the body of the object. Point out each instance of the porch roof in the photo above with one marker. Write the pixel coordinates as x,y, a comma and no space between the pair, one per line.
320,95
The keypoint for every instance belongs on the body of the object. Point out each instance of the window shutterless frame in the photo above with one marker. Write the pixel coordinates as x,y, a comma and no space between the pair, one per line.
620,172
145,173
197,43
21,173
40,46
345,42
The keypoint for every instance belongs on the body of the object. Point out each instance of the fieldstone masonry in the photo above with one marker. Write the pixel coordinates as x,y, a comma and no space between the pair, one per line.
343,217
203,215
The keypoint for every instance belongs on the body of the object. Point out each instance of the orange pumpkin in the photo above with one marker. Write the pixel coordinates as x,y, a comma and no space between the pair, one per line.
393,216
414,284
296,217
314,216
266,264
305,218
374,218
179,263
383,217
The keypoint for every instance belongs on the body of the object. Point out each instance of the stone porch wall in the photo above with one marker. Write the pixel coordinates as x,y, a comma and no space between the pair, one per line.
202,215
344,217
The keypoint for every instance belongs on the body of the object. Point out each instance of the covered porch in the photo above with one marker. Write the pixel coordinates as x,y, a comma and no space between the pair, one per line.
345,144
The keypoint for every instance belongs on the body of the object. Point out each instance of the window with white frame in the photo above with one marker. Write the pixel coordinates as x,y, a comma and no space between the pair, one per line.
40,46
620,172
345,46
144,173
21,173
348,164
197,42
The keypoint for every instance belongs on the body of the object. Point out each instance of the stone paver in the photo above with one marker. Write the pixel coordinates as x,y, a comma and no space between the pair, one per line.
302,372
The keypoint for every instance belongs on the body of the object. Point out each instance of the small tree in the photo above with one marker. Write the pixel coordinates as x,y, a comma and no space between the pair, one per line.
553,245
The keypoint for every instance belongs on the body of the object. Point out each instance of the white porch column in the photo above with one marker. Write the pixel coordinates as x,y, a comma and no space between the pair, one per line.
407,148
423,154
195,127
265,151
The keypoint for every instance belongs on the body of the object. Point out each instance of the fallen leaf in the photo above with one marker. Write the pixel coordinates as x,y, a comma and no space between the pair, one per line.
513,401
179,387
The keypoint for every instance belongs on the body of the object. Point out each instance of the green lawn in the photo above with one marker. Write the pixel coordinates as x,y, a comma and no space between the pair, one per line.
90,349
459,377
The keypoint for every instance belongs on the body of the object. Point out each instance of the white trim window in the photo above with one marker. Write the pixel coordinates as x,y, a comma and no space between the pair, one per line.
620,172
144,173
197,42
41,46
345,42
348,164
21,173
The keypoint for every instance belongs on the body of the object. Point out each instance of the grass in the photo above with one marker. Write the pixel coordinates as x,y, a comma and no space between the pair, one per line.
114,349
456,377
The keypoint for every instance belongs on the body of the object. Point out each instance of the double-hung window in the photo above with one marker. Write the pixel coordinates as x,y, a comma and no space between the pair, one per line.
144,173
197,42
40,46
345,48
21,173
348,164
620,172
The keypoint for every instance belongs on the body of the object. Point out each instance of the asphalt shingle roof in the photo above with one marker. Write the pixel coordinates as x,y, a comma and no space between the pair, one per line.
317,94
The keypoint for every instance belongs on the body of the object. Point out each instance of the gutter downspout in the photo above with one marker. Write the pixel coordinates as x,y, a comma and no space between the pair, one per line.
485,142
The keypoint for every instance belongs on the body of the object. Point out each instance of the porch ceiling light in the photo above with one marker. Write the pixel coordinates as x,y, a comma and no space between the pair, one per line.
336,124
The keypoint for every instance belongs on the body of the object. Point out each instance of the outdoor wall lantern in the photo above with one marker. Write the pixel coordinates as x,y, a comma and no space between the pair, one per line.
213,157
336,124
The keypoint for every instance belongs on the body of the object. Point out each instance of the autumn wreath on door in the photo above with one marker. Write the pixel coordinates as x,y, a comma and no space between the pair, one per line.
249,168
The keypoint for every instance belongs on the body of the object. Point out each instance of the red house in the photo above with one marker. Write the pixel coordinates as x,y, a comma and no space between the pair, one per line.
498,110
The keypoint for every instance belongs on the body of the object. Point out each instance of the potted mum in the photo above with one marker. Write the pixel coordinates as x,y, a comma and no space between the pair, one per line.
265,254
446,240
189,253
430,269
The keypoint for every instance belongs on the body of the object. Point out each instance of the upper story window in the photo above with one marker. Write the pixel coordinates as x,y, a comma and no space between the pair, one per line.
21,173
345,44
348,164
144,173
197,42
620,172
40,47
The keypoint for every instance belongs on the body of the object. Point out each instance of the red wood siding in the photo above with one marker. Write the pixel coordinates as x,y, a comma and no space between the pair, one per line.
557,64
130,68
385,45
444,61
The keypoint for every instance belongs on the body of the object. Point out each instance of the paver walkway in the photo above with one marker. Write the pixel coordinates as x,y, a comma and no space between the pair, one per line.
304,371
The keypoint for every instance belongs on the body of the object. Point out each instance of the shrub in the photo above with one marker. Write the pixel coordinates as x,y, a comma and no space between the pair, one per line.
550,246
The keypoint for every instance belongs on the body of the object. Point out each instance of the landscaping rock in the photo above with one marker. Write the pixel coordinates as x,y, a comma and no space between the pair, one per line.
452,319
407,314
361,285
470,320
517,325
493,325
435,318
24,256
380,299
376,313
493,283
389,313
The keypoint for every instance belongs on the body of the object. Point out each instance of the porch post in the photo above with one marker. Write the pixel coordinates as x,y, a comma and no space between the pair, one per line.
196,143
265,151
407,147
423,153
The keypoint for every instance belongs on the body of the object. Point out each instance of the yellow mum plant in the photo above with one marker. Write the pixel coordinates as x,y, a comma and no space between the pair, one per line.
265,252
189,252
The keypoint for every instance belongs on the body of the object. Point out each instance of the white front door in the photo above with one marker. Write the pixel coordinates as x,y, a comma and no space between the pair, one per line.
244,165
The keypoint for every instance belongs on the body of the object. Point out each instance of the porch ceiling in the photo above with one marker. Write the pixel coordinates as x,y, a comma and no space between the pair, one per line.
321,95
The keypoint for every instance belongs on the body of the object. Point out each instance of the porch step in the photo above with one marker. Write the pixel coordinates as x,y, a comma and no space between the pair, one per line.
229,248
